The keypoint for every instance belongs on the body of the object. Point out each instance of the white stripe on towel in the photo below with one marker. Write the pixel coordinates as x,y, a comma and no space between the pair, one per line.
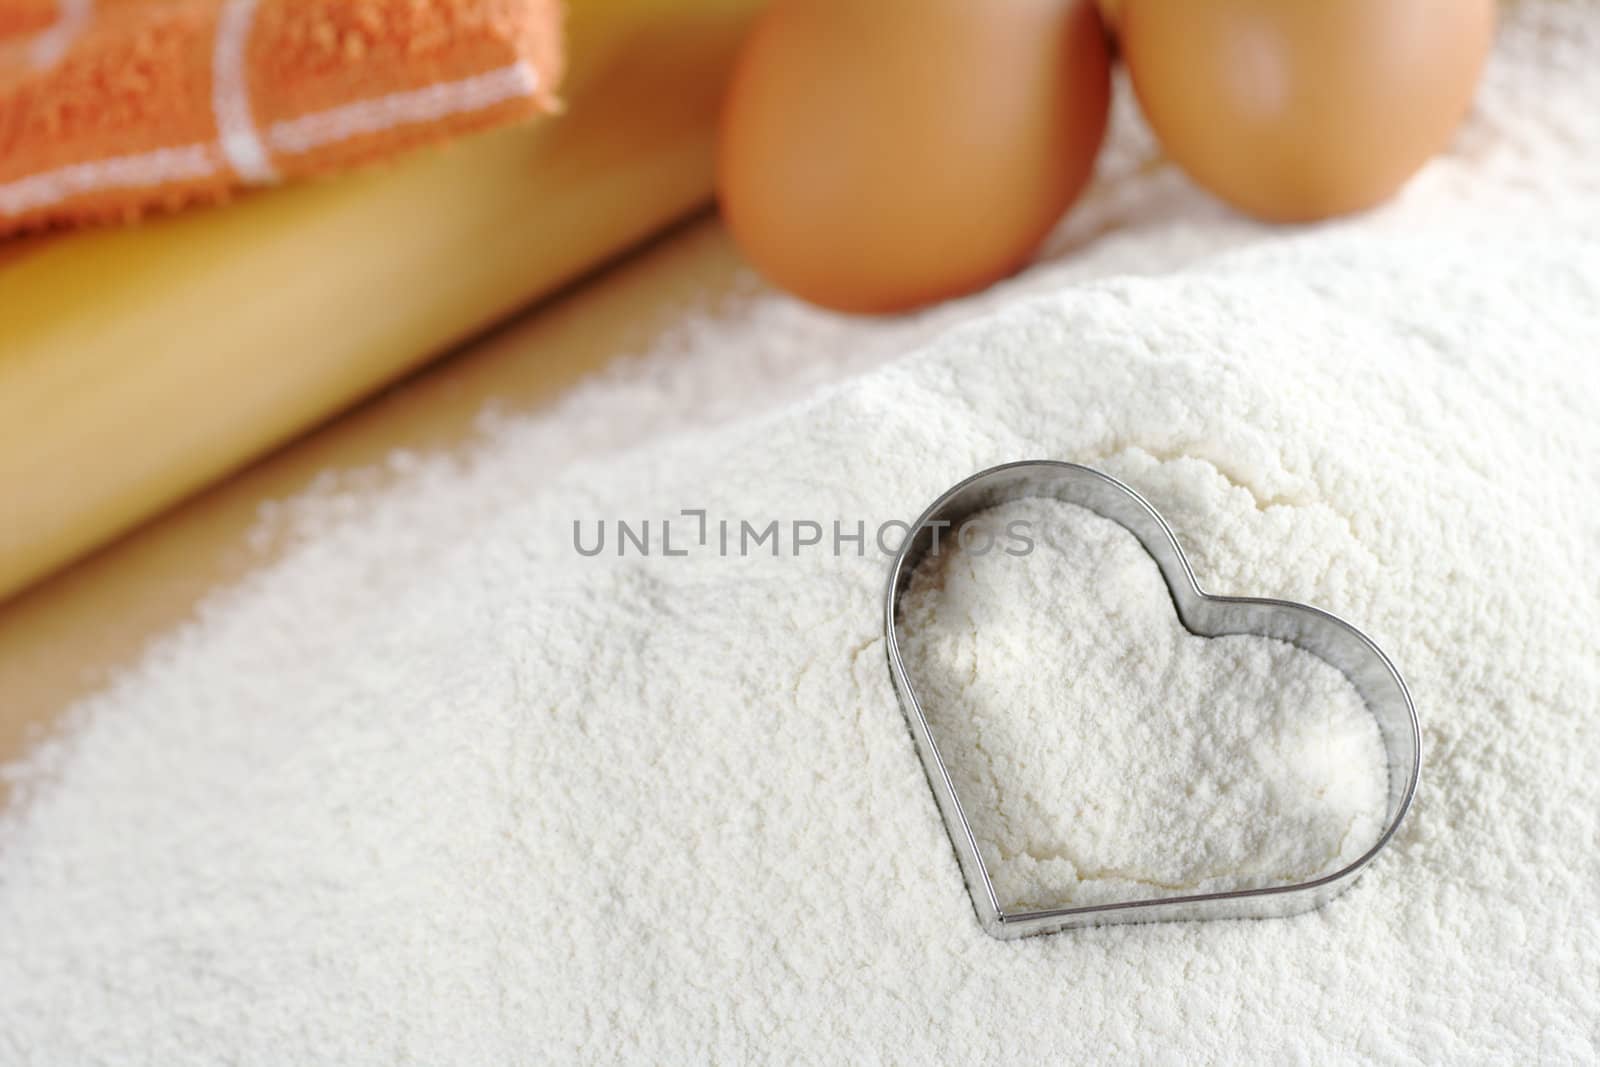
230,95
189,162
382,113
144,169
50,45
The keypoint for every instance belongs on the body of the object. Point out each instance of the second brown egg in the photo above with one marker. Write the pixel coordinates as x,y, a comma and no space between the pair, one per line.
1294,110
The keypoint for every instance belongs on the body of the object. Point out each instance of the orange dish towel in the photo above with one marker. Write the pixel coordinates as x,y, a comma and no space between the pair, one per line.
111,108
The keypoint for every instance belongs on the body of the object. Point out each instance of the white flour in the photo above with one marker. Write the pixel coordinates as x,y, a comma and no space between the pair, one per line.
1105,753
434,788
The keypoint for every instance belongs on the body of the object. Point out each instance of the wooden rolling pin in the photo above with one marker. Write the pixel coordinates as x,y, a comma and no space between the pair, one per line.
138,365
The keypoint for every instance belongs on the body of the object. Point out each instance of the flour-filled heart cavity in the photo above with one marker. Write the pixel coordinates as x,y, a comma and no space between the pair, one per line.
1104,753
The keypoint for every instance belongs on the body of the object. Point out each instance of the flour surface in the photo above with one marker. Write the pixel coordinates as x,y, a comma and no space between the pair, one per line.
1105,753
433,787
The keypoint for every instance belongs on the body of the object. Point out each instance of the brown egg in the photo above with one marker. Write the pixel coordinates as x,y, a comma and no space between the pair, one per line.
880,154
1300,109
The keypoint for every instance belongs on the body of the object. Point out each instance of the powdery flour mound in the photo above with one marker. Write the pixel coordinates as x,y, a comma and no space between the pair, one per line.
435,788
1104,752
512,801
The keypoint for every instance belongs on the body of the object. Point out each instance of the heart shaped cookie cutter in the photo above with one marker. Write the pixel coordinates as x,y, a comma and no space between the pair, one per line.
1322,634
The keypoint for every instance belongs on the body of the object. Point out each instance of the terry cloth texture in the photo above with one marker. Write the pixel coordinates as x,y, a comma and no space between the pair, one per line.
111,108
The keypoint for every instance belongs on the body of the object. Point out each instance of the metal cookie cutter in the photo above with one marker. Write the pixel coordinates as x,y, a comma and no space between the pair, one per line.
1318,632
